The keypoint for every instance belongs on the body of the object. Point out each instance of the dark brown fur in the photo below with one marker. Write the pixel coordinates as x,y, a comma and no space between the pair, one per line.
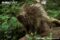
34,21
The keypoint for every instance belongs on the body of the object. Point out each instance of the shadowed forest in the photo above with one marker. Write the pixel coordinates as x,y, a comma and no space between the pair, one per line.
29,19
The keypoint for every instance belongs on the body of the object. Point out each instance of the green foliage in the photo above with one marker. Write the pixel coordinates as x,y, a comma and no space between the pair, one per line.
6,18
53,13
8,9
9,25
53,8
